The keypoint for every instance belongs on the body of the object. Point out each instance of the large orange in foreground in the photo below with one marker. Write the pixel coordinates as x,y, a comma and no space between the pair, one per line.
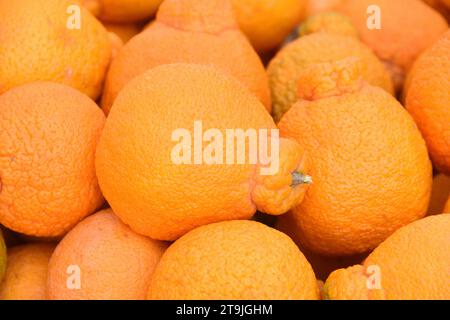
369,162
157,194
48,137
234,260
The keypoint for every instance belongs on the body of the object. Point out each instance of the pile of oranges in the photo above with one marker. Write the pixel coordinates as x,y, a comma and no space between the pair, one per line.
127,169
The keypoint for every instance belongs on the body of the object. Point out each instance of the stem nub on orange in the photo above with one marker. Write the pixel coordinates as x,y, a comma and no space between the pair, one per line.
164,198
190,31
369,162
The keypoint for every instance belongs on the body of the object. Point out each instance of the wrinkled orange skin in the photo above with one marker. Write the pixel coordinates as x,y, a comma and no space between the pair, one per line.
190,31
234,260
408,27
285,68
413,264
114,262
163,200
26,272
427,99
48,137
369,162
37,45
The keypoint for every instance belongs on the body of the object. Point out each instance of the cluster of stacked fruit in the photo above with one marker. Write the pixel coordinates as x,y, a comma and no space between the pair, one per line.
105,194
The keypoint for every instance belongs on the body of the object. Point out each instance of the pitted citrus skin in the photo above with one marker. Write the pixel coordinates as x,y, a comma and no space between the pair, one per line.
114,262
48,137
412,264
367,157
164,200
234,260
286,67
190,31
36,44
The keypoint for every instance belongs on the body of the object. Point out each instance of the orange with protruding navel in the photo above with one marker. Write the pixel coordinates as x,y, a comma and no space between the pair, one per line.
370,165
160,184
190,31
289,63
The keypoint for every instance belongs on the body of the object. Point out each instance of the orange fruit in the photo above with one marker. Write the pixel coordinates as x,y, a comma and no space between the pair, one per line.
242,260
440,192
122,10
26,272
2,256
267,23
285,69
322,265
48,137
125,31
407,28
190,31
330,22
314,7
427,98
37,44
111,261
164,198
369,162
411,264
